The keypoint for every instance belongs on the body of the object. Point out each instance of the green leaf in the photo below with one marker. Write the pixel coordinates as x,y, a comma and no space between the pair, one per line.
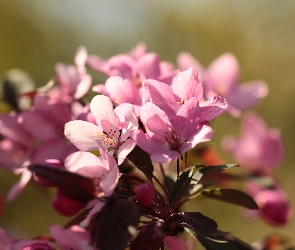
232,196
181,185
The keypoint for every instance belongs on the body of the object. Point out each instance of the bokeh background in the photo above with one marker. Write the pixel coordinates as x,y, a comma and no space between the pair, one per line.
35,35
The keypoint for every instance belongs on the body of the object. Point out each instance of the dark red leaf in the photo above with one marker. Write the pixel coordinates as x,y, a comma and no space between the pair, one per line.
115,225
232,196
150,237
70,184
202,225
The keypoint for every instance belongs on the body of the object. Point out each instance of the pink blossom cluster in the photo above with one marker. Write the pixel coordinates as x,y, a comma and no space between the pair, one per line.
145,103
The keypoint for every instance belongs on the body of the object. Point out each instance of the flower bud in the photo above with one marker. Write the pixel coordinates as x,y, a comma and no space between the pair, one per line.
66,205
145,194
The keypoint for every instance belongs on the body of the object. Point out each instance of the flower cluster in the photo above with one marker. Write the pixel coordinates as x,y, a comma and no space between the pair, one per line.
122,158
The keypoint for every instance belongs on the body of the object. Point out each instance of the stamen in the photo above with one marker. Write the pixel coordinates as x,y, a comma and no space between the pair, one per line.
173,139
181,102
106,139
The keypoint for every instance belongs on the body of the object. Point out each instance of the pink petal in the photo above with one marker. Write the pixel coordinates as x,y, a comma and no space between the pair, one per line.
19,186
122,90
186,60
186,84
58,149
110,181
74,237
83,86
32,245
248,95
103,111
10,127
125,149
155,120
58,113
204,134
162,96
166,157
121,65
82,134
148,65
213,108
100,88
97,63
151,145
78,160
187,119
38,127
222,75
139,51
97,207
80,59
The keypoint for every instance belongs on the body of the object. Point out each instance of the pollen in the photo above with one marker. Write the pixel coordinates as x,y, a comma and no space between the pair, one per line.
181,102
107,139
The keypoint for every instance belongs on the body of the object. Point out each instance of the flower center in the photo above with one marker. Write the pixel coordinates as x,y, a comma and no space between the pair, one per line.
108,139
173,139
96,182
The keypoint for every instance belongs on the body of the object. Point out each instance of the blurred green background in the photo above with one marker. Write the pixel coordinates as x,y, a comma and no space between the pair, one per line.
34,35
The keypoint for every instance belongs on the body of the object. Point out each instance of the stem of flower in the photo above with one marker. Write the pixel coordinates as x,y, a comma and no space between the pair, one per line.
185,161
164,177
150,173
177,168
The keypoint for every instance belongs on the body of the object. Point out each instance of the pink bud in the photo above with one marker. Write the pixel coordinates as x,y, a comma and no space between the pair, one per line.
38,246
145,194
273,203
66,205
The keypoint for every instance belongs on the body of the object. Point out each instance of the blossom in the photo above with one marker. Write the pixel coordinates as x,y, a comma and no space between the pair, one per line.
127,72
273,202
222,77
167,137
73,237
73,80
184,86
111,131
34,136
259,149
102,170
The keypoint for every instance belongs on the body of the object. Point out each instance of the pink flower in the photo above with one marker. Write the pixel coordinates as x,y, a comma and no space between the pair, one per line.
167,137
102,170
259,149
111,132
185,86
176,243
127,73
73,237
222,77
274,205
74,82
34,136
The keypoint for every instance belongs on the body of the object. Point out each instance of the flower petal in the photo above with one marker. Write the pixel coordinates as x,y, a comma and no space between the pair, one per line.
82,134
103,111
186,84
